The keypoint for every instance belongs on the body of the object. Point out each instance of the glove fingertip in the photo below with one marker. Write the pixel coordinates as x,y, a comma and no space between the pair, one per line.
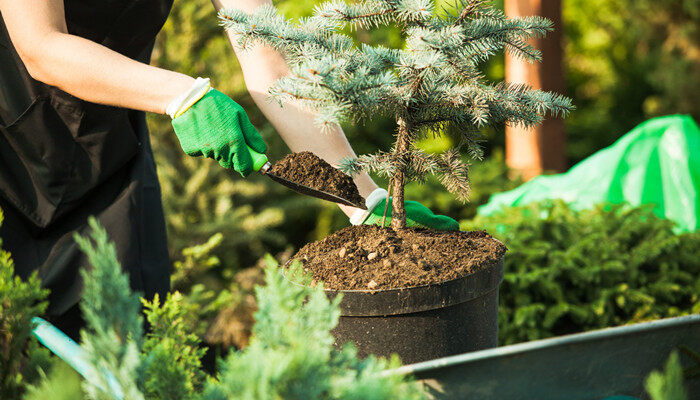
253,138
257,145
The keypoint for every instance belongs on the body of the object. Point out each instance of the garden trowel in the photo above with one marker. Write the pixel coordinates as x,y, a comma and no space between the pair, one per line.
262,164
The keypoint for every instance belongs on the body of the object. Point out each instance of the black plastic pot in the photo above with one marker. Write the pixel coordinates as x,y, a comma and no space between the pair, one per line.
425,322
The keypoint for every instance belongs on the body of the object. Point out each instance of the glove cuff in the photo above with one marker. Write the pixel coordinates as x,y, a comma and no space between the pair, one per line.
374,198
183,102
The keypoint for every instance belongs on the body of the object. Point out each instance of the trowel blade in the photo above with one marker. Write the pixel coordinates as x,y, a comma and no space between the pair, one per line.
305,190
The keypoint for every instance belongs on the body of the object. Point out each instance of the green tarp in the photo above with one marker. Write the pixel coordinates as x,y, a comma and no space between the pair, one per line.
658,162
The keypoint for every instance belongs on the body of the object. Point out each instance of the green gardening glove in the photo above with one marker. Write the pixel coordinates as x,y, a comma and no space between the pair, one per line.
417,215
217,127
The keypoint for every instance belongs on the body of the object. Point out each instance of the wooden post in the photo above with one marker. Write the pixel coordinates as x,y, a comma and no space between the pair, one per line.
530,152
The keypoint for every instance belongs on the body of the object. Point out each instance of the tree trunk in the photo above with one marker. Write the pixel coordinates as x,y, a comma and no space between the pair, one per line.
398,181
531,152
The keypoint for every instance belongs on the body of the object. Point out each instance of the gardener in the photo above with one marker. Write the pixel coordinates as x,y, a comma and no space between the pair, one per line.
74,82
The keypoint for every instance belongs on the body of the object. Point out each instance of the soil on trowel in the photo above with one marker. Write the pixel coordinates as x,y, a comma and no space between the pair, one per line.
308,169
368,257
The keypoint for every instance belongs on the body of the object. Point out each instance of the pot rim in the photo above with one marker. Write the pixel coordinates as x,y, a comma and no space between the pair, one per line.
395,301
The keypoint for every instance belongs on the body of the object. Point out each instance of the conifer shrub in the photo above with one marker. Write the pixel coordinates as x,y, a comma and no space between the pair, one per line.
290,355
570,271
20,356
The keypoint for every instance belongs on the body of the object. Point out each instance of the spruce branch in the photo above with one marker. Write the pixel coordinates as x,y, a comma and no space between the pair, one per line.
373,13
363,15
265,25
468,8
383,163
454,174
421,165
449,166
335,94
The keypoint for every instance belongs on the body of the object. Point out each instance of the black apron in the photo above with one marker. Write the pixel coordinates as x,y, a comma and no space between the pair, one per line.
63,159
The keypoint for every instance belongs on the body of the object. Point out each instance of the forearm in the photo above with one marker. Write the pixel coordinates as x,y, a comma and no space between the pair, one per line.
81,67
262,66
97,74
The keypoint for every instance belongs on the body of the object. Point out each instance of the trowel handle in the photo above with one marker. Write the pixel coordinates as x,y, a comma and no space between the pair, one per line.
62,346
259,159
74,355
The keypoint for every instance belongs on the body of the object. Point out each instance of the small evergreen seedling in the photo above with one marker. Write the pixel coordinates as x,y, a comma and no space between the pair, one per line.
431,85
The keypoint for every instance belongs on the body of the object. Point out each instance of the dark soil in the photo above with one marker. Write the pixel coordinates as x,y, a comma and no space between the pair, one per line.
368,257
308,169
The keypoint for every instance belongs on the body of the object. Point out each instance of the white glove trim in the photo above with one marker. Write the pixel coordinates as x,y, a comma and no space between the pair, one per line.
374,198
183,102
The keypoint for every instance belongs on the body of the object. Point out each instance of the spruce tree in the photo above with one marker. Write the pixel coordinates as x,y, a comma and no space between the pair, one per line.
431,86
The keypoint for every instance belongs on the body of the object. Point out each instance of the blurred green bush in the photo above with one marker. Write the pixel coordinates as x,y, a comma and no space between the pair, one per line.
571,271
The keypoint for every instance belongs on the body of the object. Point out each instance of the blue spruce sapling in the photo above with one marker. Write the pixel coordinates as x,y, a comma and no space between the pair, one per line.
432,85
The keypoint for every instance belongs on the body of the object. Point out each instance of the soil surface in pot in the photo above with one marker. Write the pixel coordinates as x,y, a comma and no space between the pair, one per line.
308,169
368,257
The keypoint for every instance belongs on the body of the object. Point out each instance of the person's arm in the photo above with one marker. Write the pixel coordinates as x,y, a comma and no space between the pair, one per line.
262,66
83,68
207,122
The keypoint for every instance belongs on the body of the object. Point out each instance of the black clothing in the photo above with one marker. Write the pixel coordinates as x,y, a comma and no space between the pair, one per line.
63,159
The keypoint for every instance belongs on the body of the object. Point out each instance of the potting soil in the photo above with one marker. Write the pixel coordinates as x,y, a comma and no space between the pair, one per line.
368,257
308,169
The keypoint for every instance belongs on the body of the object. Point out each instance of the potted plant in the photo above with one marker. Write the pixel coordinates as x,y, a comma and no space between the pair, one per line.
420,293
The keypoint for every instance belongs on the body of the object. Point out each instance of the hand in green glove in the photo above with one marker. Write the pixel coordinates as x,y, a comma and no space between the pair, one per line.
417,215
217,127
